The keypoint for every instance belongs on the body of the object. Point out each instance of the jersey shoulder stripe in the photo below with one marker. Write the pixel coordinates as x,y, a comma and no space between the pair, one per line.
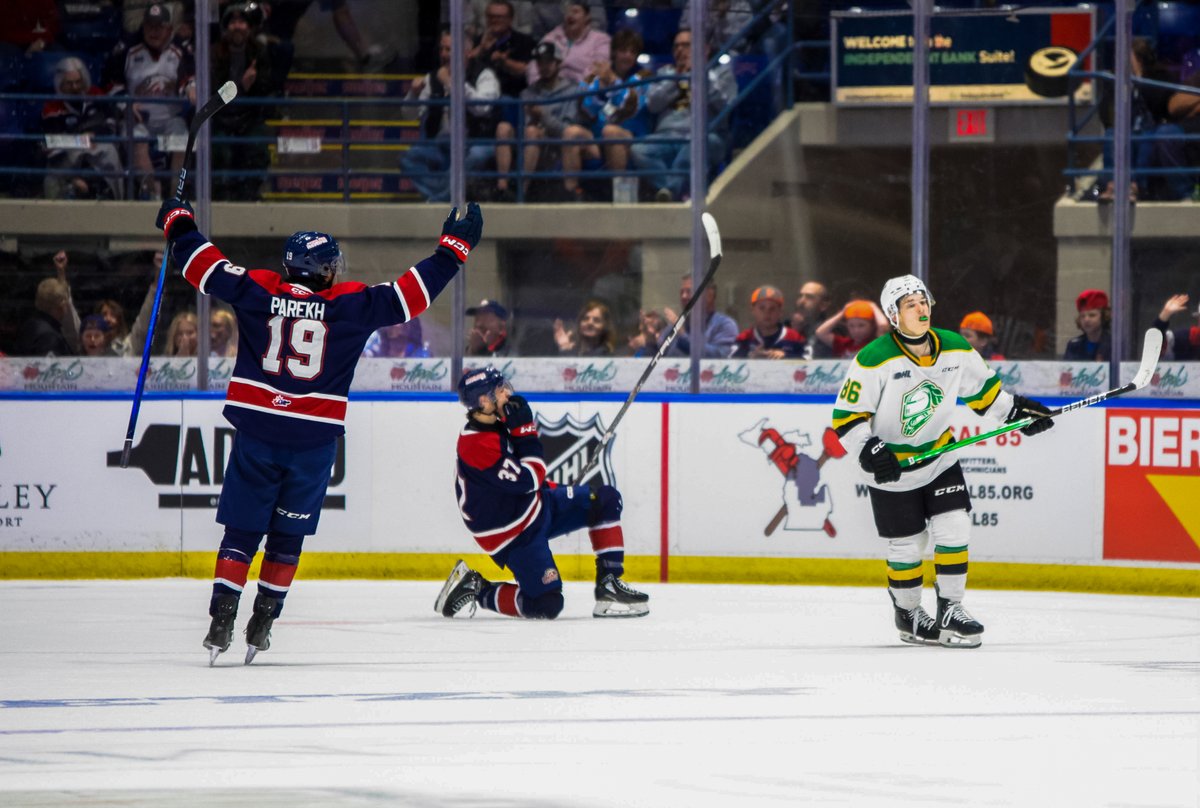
878,351
952,340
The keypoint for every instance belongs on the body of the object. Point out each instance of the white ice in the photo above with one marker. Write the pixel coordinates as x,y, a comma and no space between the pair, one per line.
722,696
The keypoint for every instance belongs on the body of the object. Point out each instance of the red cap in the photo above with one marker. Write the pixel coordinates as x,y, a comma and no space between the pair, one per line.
1091,299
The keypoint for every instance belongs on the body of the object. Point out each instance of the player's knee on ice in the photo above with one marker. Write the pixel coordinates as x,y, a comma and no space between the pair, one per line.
543,607
606,505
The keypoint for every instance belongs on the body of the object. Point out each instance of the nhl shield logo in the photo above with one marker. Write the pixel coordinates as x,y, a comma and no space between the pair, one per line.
569,445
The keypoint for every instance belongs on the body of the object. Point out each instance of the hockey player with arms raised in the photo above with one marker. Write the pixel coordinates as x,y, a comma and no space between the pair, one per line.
898,401
513,513
300,335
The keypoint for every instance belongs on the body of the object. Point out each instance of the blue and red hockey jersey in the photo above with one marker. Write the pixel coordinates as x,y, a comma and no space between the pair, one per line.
499,482
786,339
297,349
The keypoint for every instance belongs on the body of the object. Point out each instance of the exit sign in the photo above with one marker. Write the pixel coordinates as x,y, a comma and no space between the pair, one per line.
972,125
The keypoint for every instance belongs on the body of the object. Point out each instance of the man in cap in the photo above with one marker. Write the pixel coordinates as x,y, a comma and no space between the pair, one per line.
489,335
769,338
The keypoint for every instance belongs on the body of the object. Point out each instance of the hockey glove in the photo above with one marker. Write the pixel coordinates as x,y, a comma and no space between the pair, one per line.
876,458
518,418
175,217
459,236
1028,408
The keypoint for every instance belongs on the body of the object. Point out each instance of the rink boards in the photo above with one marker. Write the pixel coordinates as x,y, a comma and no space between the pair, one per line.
716,489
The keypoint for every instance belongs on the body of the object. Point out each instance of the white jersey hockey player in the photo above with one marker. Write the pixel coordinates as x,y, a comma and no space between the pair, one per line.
898,401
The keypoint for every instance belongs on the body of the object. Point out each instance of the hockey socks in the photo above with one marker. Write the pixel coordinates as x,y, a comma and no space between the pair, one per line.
950,563
503,598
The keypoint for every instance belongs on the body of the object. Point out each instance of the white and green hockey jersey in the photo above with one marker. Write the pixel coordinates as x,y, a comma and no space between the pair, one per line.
908,401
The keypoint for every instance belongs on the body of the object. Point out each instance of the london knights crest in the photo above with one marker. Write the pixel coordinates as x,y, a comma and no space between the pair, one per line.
569,445
917,406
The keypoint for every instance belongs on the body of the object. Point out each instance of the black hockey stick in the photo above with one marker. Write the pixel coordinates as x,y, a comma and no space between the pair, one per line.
211,107
714,250
1151,348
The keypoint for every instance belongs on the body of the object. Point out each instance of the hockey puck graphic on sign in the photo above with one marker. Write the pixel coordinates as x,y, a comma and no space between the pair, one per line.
1046,71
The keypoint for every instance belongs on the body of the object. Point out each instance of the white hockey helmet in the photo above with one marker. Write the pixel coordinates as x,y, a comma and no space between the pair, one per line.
896,290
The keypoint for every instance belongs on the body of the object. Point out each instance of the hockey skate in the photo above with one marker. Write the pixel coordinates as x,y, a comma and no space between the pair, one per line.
956,627
916,626
615,598
220,631
258,630
460,590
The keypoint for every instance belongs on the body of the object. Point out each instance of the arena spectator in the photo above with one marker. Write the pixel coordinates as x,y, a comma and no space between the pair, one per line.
93,336
427,162
1094,320
238,57
811,309
615,111
1182,119
1179,344
720,331
769,337
29,26
579,44
504,49
183,337
976,329
222,333
70,320
533,17
99,163
279,30
863,321
650,326
670,100
400,340
489,334
593,334
123,340
42,333
151,65
547,115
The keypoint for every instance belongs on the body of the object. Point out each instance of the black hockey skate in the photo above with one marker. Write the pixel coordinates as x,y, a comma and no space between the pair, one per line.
916,626
460,590
615,598
220,631
956,627
258,630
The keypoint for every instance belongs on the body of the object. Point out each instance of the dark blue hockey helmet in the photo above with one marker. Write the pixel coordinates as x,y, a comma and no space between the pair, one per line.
476,382
312,259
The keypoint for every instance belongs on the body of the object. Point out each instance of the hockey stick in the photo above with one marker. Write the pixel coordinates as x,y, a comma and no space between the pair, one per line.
1151,347
714,250
211,107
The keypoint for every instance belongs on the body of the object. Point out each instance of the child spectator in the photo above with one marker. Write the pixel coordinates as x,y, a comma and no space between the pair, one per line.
1094,320
183,337
863,321
93,336
976,329
769,338
1180,344
400,340
593,335
650,325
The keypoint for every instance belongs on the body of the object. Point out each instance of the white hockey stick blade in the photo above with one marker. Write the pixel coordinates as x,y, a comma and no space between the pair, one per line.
1151,348
714,235
228,92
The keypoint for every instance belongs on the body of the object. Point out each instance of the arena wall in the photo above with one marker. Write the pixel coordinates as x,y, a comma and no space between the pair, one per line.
1107,501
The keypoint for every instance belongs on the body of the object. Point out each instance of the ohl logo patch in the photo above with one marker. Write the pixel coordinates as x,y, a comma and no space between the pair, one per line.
917,406
570,444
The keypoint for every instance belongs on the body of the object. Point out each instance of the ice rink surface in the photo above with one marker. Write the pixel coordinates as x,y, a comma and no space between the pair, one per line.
722,696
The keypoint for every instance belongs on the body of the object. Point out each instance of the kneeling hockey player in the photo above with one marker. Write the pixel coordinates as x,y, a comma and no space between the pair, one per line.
513,513
897,402
299,338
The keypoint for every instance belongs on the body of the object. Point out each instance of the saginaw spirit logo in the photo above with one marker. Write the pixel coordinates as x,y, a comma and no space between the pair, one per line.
190,462
807,501
570,444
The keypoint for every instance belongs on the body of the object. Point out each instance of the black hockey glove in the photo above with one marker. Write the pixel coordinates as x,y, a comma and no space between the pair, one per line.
175,217
1028,408
518,417
459,236
876,458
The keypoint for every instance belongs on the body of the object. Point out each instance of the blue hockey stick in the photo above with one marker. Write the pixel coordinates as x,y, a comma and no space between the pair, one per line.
211,107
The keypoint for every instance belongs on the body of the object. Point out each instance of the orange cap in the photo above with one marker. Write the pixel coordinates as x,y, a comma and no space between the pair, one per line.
766,293
859,309
977,321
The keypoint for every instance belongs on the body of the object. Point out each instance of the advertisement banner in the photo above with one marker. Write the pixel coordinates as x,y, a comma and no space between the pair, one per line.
1018,58
1152,485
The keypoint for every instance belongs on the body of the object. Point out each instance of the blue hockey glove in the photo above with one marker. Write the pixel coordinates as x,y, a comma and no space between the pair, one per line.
876,458
175,217
518,417
1028,408
459,236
